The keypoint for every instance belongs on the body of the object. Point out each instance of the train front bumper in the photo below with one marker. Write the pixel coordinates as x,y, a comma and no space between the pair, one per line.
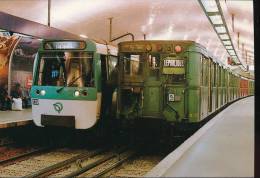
80,114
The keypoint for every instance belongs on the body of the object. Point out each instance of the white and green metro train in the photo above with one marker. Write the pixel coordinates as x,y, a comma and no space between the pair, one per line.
72,83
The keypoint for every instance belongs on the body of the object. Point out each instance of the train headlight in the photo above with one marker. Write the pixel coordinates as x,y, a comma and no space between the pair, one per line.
76,93
43,92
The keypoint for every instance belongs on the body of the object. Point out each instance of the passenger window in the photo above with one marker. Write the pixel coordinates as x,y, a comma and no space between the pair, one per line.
154,61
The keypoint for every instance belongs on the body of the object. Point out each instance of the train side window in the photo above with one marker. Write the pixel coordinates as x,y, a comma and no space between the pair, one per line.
154,65
219,76
202,70
214,75
154,61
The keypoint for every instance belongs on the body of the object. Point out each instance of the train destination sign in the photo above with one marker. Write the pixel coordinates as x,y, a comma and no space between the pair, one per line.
173,63
65,45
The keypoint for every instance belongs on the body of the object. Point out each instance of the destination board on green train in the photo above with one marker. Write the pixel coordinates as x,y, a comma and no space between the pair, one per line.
173,63
59,45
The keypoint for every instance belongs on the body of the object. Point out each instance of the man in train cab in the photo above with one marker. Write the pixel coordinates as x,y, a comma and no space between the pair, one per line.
72,69
5,100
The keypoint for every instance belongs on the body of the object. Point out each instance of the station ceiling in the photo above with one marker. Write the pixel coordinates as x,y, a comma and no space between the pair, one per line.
157,19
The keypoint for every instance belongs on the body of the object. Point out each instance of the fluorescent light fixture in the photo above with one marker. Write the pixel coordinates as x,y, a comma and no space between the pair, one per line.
229,47
221,29
227,42
224,37
216,19
210,5
231,52
83,36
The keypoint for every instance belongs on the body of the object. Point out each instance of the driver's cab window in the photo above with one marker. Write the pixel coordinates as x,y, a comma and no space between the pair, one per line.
74,69
133,64
71,69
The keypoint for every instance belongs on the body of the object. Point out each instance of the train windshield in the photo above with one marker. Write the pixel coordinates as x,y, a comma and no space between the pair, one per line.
72,69
133,65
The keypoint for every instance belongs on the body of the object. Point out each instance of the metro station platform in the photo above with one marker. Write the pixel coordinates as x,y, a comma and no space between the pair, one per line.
224,147
15,118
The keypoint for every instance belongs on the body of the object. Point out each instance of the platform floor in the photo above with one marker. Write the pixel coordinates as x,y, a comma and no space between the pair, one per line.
226,149
15,118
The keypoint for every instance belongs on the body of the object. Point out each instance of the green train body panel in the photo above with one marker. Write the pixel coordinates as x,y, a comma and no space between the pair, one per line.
207,86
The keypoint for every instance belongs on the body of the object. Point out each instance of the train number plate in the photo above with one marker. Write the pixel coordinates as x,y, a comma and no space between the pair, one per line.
35,101
171,97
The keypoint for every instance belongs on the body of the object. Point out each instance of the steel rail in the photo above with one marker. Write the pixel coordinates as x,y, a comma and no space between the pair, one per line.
25,154
120,161
93,164
61,164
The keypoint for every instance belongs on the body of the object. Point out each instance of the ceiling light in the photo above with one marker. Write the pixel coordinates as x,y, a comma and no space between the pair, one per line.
221,29
83,36
229,47
216,19
224,37
210,5
227,42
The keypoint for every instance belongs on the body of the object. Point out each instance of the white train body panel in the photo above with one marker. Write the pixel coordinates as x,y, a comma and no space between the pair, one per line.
86,112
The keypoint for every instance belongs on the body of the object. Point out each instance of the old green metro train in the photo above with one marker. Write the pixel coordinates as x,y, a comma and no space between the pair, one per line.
173,81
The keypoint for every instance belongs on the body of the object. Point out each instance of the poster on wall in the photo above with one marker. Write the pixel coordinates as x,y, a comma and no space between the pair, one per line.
6,46
22,62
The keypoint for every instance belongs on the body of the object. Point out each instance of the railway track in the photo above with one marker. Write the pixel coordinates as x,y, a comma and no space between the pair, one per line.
23,155
55,162
34,162
13,153
56,167
103,165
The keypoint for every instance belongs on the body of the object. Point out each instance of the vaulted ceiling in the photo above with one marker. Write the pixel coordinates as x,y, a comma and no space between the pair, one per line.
158,19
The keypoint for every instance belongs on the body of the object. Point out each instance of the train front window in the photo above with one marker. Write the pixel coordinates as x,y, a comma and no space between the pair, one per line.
133,64
72,69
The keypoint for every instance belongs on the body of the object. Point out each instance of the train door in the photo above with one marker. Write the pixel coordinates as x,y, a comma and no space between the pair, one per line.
152,103
204,87
174,83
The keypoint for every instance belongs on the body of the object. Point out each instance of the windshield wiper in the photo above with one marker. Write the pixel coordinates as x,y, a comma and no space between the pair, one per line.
72,82
62,64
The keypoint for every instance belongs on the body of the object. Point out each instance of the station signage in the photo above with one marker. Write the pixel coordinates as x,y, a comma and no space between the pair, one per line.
62,45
